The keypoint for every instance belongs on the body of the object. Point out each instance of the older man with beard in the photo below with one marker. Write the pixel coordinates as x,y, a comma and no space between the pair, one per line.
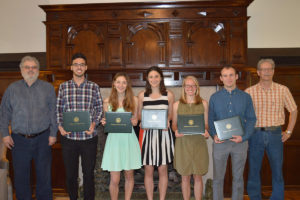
28,106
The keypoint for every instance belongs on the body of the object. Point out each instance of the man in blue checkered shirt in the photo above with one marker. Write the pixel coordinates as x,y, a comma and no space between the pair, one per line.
79,94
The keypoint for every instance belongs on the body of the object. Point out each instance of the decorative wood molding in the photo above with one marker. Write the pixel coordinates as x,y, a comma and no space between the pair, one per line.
197,34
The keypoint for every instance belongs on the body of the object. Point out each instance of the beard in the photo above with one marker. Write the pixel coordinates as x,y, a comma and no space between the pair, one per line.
79,75
30,78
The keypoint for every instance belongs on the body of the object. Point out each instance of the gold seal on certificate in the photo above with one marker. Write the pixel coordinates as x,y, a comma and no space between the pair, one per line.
191,124
226,128
76,121
118,122
154,119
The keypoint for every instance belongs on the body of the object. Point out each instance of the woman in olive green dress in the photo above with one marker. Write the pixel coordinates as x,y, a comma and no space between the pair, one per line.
191,154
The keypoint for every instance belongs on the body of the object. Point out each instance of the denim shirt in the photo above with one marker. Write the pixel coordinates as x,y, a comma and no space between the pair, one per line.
224,104
28,110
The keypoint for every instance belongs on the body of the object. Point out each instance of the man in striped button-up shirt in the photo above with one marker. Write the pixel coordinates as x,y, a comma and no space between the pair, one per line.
79,94
269,99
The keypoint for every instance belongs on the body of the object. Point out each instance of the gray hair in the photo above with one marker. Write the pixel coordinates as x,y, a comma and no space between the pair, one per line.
29,58
268,60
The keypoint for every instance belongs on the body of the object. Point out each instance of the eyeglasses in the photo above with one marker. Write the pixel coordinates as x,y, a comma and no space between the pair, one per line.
30,67
190,86
266,69
79,64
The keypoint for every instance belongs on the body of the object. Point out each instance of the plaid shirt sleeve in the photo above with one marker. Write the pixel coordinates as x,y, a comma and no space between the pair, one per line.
59,106
97,105
289,102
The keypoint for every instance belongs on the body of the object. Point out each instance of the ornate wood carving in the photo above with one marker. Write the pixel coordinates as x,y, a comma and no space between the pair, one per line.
199,34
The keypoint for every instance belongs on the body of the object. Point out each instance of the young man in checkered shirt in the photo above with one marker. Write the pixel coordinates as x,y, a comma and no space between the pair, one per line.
79,94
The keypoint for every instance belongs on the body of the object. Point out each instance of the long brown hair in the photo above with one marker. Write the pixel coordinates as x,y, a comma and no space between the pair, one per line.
162,87
128,102
197,97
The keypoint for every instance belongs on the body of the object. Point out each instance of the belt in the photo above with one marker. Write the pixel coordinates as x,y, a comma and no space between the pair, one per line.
33,135
270,128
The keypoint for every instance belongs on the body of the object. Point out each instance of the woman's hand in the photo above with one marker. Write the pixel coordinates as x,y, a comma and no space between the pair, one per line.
168,126
206,134
177,134
134,121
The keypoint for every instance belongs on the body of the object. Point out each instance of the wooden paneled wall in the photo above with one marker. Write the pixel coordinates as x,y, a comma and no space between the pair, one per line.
172,35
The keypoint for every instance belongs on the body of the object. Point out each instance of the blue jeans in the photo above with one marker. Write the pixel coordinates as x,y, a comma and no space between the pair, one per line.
238,153
24,151
258,143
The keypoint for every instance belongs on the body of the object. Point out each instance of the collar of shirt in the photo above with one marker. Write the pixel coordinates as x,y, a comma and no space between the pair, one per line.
81,85
232,92
33,84
269,89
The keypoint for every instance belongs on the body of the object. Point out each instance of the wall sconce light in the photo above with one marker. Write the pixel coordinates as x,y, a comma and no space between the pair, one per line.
218,27
203,13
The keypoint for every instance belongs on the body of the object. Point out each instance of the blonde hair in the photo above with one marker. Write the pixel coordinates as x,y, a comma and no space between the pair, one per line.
197,98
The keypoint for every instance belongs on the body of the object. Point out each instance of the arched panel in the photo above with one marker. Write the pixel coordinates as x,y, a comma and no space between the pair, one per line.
89,40
205,44
146,45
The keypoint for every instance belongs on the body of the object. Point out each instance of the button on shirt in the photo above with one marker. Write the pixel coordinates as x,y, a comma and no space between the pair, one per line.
224,104
29,110
85,97
269,104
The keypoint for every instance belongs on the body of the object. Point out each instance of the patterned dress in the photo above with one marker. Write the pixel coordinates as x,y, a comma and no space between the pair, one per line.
157,144
122,151
191,154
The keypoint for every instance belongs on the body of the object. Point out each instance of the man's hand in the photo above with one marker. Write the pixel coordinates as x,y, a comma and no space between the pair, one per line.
52,140
62,131
285,136
91,129
217,140
8,142
236,138
103,121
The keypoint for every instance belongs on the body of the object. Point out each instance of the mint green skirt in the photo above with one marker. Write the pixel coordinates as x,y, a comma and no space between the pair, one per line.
121,152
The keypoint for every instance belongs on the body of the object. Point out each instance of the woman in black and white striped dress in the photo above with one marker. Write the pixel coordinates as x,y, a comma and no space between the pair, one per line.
157,144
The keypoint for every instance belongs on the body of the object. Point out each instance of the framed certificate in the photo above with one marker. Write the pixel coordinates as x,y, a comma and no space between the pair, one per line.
226,128
191,124
154,119
76,121
118,122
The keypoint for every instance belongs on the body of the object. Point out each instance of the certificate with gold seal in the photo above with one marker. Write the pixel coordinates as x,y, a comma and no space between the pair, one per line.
226,128
155,118
76,121
118,122
191,124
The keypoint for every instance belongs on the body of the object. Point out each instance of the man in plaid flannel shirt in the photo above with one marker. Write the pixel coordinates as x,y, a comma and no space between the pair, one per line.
79,94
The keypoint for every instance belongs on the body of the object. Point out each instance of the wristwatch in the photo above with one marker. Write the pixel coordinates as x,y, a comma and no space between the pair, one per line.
289,132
